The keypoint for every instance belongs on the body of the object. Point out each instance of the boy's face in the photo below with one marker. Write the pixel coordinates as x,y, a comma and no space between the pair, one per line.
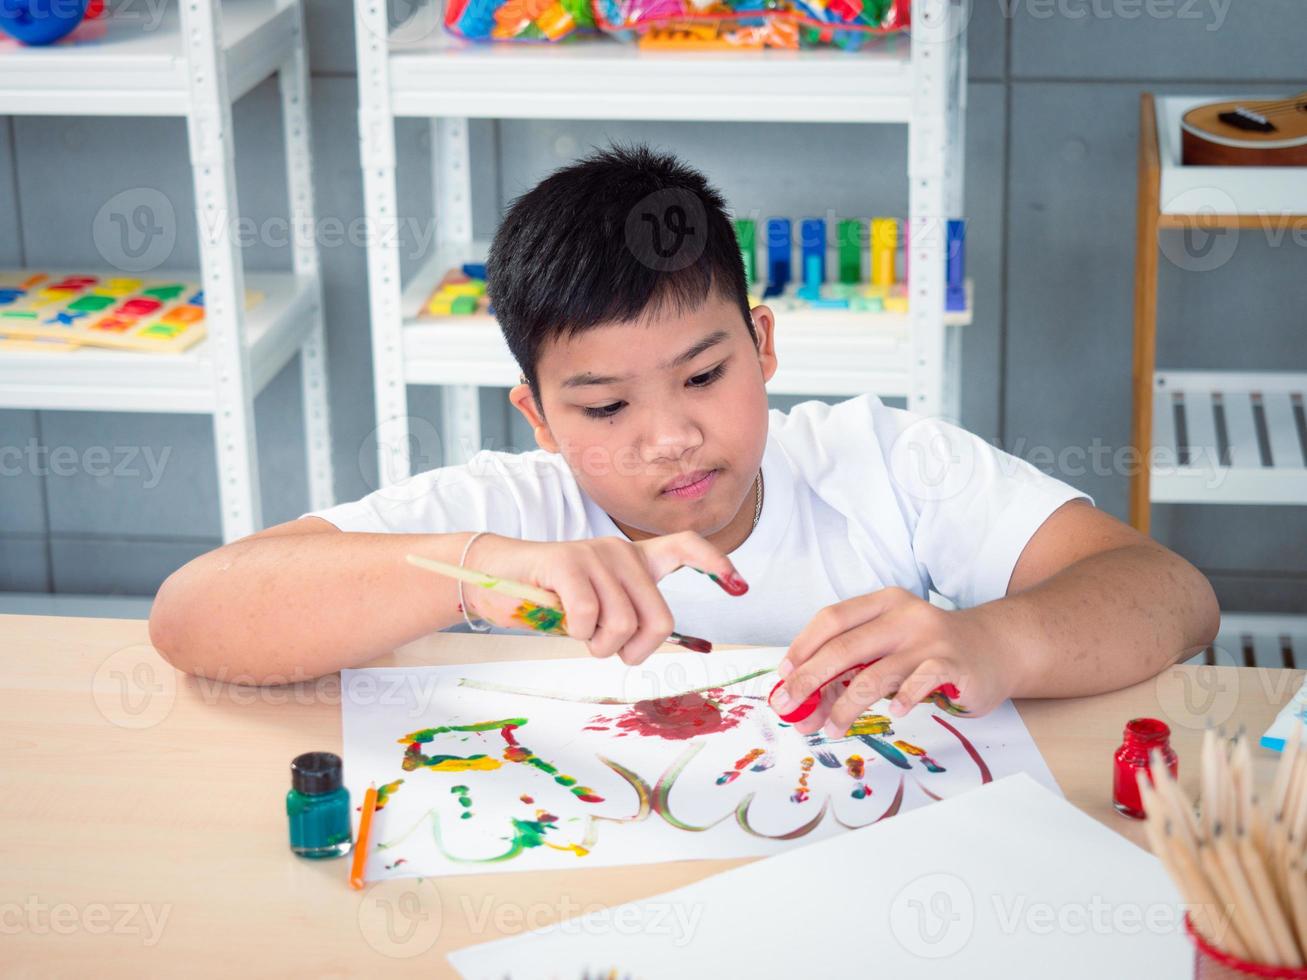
663,420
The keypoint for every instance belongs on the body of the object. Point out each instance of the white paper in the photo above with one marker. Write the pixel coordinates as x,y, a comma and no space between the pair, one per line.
619,794
1009,881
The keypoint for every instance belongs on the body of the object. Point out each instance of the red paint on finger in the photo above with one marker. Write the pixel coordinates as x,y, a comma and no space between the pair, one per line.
732,584
942,696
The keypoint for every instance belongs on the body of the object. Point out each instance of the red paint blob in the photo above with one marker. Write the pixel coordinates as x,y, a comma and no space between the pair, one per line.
679,717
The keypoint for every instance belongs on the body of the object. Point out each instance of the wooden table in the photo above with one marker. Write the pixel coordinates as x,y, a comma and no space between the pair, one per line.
144,829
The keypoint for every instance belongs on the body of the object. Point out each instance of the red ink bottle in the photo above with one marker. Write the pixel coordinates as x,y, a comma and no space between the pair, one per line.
1143,737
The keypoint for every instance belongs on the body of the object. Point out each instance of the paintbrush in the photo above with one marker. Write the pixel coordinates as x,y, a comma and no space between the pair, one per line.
541,609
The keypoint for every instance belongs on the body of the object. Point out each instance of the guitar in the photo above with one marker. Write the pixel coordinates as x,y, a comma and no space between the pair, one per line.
1246,134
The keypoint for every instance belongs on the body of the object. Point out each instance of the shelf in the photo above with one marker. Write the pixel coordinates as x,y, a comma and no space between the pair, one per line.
126,64
88,379
1258,640
1229,438
821,352
599,78
1220,190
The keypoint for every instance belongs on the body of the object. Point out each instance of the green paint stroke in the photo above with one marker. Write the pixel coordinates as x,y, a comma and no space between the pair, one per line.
384,793
544,619
427,734
464,800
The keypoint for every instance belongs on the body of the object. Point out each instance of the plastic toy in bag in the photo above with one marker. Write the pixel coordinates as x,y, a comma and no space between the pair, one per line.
518,20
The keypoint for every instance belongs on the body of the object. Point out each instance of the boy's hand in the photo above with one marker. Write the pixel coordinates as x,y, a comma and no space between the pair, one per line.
916,648
607,585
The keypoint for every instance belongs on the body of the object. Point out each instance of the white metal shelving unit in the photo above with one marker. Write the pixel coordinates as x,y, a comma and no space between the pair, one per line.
417,70
199,58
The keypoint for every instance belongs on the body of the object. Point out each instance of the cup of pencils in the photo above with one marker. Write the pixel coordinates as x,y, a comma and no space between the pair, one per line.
1240,861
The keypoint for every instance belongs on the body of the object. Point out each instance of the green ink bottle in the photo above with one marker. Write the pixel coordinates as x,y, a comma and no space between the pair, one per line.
318,806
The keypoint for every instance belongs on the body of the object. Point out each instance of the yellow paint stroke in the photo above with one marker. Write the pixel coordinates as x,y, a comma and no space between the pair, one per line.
576,849
909,748
869,725
483,764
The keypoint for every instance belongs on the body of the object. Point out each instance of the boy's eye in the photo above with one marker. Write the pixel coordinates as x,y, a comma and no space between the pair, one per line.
708,377
604,411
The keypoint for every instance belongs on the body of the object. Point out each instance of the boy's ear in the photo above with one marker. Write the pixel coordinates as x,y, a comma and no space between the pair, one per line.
764,328
524,400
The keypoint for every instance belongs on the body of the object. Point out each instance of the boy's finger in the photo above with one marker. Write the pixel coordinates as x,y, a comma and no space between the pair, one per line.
653,616
829,623
580,602
617,620
826,701
880,680
860,645
929,675
666,554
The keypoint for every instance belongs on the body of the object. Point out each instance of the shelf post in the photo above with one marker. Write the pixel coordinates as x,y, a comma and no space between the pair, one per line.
380,200
209,133
452,195
293,79
935,26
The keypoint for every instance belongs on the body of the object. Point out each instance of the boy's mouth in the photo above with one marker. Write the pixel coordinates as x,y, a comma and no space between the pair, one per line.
691,486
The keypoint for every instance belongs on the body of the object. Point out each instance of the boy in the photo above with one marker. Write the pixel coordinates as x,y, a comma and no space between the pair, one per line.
620,288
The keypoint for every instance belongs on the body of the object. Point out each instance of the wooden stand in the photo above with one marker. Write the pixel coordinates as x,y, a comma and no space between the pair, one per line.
1261,458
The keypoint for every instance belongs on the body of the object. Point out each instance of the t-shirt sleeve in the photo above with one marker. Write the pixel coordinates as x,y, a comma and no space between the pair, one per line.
966,507
527,495
972,507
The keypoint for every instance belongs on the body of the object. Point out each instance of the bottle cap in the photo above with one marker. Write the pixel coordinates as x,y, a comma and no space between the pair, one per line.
315,773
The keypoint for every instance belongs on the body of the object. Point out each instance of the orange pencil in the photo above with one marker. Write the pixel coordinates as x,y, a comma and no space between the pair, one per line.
361,845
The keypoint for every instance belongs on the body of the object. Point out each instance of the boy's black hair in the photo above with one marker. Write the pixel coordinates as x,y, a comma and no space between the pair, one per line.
614,237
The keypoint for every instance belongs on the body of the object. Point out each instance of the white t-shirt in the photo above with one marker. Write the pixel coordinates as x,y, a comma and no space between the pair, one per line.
857,496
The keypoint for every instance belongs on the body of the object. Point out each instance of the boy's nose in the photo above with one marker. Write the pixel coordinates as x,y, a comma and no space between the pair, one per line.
671,437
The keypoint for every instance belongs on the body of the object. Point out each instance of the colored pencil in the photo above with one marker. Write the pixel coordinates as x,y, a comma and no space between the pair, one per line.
1244,856
356,870
531,593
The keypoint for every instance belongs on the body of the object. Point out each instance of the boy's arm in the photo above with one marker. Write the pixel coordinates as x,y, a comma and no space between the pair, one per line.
1094,605
1091,606
302,599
